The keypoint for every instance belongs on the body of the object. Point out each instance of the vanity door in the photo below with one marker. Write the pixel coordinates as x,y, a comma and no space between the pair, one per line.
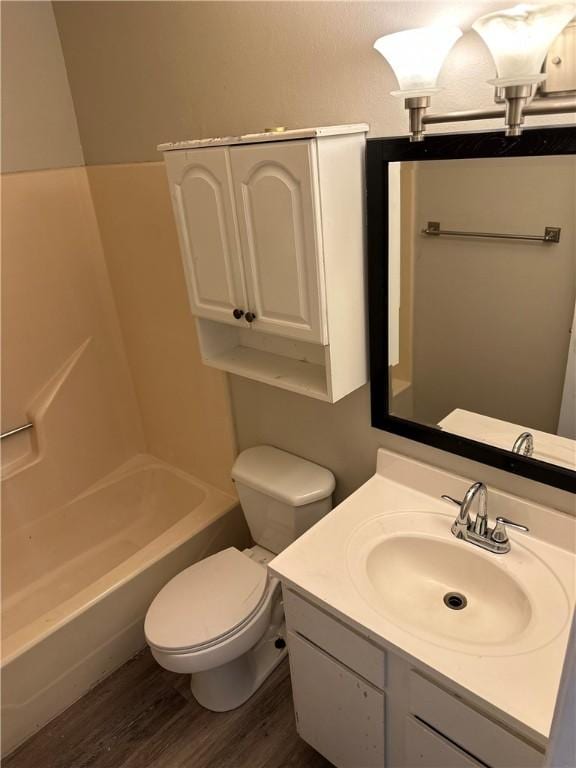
276,193
337,712
201,191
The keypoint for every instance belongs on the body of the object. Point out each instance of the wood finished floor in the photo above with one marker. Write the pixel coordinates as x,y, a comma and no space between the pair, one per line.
145,717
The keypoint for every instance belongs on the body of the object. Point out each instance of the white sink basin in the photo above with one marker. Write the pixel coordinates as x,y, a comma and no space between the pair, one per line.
406,565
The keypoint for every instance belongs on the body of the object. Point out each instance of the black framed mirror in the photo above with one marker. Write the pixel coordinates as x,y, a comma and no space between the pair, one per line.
472,290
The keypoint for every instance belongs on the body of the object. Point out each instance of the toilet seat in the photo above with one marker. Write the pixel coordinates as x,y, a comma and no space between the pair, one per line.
207,604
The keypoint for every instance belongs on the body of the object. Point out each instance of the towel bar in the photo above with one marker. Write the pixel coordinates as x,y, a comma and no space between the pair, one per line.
551,234
15,431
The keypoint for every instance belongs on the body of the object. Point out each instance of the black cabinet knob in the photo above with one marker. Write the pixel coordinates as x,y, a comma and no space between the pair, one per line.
238,313
250,317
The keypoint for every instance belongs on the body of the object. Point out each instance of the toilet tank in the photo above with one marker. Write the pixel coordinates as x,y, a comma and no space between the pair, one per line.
282,495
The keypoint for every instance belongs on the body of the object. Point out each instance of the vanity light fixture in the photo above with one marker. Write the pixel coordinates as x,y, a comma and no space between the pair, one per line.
518,39
416,56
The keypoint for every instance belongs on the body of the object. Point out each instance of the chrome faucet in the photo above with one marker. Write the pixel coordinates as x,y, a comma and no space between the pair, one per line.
524,444
478,532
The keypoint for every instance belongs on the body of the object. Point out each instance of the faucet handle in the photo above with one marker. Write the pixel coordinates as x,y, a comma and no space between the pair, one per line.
500,535
452,500
462,522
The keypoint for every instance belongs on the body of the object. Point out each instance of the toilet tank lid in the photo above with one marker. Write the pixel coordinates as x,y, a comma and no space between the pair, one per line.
285,477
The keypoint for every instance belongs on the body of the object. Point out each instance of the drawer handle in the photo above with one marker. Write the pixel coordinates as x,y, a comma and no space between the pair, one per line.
238,313
250,317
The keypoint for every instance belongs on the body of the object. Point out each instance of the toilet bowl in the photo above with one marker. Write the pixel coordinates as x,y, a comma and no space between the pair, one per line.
238,640
221,620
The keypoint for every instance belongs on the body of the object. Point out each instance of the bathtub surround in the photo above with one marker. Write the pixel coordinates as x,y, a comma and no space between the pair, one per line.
184,405
72,382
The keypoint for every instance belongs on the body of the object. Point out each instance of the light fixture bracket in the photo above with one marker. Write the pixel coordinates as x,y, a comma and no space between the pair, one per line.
417,106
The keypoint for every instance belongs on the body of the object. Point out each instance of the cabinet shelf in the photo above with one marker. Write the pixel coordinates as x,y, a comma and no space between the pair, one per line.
269,368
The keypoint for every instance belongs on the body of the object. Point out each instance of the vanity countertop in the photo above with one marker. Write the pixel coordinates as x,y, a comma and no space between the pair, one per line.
521,684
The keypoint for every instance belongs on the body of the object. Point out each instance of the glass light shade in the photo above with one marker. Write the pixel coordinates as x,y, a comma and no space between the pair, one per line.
518,39
416,56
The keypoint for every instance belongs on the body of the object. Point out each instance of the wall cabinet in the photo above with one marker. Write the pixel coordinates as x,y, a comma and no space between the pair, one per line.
271,231
205,215
363,706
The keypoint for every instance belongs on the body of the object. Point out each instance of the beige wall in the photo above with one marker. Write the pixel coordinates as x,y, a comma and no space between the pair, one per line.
39,127
146,72
184,405
492,317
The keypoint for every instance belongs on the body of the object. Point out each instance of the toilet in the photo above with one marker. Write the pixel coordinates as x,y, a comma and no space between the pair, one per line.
221,621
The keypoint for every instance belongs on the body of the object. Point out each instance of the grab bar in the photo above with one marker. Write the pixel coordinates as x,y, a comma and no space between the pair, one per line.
15,431
551,234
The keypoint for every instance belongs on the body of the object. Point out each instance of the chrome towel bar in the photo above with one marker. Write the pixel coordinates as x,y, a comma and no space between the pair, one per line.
15,431
551,234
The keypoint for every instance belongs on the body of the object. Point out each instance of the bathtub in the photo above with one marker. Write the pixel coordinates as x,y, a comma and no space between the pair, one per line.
76,583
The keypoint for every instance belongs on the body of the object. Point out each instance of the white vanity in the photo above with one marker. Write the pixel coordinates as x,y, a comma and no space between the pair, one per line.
384,671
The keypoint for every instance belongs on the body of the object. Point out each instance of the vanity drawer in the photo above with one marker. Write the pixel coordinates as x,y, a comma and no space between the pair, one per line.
427,749
478,734
353,650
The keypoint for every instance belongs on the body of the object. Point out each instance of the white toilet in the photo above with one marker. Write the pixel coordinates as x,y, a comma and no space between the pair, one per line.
221,620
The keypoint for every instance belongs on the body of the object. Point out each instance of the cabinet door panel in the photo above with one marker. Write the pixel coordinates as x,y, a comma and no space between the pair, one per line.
275,192
337,712
203,205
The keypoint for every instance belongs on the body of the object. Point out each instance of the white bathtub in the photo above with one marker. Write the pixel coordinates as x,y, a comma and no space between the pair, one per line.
78,581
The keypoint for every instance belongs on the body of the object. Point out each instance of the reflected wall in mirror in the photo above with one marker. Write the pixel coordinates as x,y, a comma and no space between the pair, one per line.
479,337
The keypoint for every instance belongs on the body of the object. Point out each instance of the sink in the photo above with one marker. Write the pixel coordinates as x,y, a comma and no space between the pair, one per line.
412,571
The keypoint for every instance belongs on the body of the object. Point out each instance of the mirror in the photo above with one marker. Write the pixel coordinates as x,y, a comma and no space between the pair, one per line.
472,243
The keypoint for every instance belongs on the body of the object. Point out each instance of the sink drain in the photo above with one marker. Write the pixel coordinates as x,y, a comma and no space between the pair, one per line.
455,601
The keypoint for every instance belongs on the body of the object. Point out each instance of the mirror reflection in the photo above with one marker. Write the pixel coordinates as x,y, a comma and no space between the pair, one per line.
482,297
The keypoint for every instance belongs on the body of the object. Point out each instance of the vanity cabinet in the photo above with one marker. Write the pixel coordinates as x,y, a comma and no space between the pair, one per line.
271,231
337,712
363,706
425,748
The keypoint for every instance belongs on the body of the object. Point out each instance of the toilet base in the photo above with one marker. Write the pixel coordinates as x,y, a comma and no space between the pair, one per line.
231,685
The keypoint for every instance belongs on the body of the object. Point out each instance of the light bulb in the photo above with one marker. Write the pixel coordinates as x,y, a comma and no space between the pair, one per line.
519,38
416,56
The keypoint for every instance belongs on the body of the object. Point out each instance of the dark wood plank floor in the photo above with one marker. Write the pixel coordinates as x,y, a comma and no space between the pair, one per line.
145,717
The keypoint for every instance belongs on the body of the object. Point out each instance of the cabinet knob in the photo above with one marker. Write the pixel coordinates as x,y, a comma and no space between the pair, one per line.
238,313
250,317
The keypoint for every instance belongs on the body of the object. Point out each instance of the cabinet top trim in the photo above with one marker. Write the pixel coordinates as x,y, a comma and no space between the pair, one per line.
266,136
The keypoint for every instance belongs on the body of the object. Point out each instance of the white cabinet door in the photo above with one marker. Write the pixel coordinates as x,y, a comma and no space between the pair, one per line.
337,712
275,187
200,184
427,749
